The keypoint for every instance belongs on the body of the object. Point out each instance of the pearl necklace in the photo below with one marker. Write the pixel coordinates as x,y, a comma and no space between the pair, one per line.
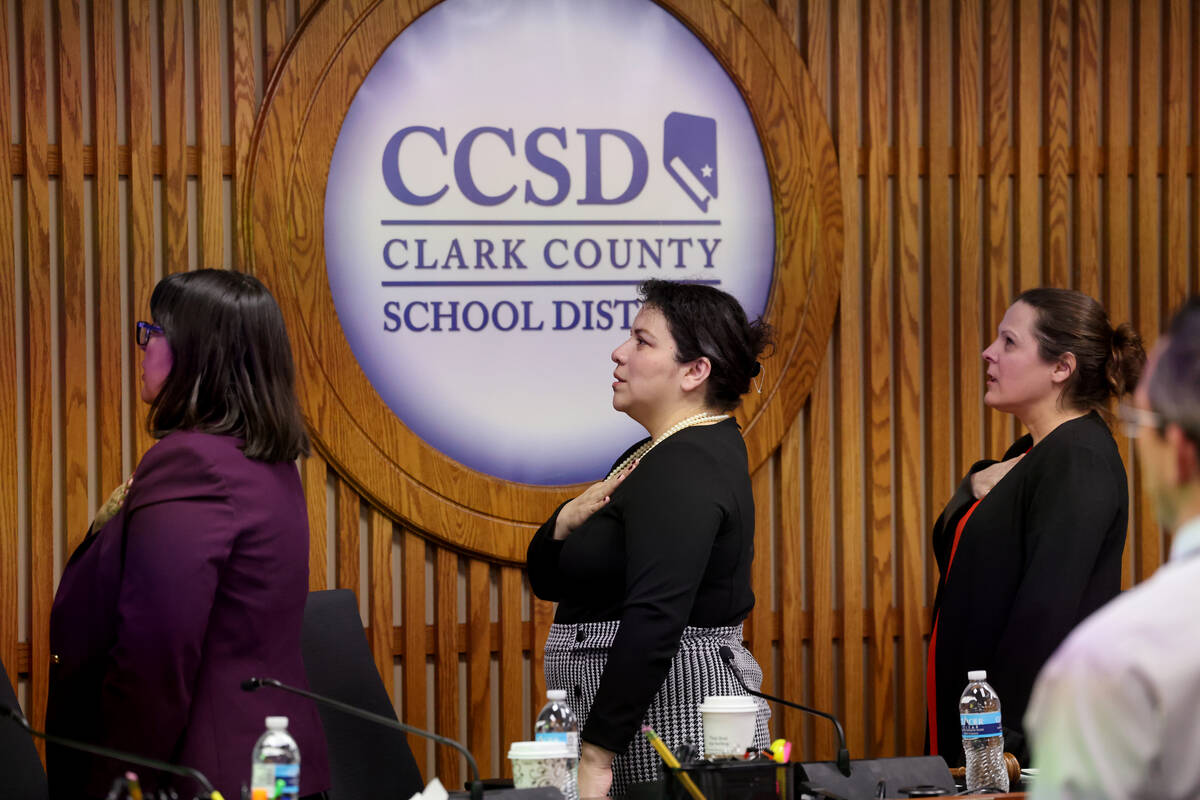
696,419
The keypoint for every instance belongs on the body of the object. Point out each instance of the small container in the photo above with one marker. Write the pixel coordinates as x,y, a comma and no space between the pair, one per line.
728,725
543,764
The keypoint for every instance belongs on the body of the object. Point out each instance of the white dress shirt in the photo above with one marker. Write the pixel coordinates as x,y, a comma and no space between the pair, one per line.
1115,713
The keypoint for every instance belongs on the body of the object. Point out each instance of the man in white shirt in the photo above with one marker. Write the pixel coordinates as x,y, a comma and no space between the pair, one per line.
1115,713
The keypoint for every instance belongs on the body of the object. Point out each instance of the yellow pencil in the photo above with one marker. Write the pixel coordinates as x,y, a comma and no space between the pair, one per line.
669,759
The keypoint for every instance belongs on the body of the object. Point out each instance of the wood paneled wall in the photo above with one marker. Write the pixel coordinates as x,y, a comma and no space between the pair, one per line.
985,145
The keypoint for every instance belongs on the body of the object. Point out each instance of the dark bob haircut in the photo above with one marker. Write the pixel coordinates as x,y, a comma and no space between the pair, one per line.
232,370
705,321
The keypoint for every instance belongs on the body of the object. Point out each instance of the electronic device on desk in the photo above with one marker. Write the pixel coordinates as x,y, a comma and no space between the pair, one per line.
916,776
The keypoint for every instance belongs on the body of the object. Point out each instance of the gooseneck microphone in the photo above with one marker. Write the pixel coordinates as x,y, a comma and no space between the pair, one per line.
117,755
250,684
843,756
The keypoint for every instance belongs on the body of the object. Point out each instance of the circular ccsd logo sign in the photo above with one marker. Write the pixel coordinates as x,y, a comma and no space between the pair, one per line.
506,175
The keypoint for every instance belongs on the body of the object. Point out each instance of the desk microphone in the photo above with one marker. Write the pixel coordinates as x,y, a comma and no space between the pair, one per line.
250,684
117,755
843,756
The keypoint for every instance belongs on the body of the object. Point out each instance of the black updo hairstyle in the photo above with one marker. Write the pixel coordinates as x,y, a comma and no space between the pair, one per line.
705,321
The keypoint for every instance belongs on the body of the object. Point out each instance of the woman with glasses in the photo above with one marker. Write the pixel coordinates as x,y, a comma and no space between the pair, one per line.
194,575
1031,544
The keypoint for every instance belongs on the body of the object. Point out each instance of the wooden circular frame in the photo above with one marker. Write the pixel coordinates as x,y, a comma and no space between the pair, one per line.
283,192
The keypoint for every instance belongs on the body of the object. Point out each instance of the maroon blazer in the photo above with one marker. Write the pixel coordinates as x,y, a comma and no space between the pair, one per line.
197,583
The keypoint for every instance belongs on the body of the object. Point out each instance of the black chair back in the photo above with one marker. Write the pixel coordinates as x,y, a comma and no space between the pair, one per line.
365,759
20,767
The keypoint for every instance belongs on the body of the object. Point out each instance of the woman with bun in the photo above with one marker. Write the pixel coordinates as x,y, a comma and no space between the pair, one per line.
1031,544
651,567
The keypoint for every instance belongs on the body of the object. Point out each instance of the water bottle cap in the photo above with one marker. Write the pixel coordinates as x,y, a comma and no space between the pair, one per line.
277,723
977,675
556,694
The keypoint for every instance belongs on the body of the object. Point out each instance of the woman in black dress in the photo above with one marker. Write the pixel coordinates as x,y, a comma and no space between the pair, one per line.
1030,545
651,567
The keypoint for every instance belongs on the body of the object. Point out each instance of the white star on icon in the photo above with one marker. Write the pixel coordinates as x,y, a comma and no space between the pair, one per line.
706,171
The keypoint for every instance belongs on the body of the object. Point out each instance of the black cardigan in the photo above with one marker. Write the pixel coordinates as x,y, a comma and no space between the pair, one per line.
1040,553
672,548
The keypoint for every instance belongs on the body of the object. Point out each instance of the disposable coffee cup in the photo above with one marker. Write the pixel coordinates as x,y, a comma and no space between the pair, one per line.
728,725
544,763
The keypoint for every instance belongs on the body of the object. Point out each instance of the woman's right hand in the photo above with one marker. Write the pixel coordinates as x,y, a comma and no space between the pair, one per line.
986,479
574,513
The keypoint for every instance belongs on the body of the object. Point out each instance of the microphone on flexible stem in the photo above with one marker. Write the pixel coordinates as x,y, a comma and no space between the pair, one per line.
250,684
116,755
843,756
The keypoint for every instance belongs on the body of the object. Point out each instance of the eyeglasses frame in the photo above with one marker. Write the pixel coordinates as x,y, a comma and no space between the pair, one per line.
144,330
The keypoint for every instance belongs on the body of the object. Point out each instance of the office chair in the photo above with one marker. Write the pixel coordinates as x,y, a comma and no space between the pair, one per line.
20,767
365,759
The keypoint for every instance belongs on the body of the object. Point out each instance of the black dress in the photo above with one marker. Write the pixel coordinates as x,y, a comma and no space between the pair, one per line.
666,561
1040,553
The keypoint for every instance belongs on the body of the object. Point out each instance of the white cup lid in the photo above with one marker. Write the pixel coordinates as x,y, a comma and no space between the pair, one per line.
539,750
734,704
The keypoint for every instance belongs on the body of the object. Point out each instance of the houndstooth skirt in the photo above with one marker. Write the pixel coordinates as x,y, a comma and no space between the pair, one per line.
575,663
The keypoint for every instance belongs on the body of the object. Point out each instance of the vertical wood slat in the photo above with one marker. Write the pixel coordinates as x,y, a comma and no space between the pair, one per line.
379,589
413,602
73,277
1087,182
1027,115
347,538
998,80
106,250
1117,105
819,27
274,20
1058,132
479,664
1194,285
37,348
313,477
821,553
141,185
760,634
941,421
1178,25
879,380
972,248
174,139
511,722
1149,233
446,663
242,98
850,348
909,378
10,568
206,28
789,558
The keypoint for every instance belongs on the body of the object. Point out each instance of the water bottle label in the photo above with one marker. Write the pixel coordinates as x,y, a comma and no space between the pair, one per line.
980,726
573,742
287,781
552,736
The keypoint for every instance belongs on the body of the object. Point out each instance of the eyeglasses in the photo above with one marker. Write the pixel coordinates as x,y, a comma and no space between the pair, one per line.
1134,419
145,330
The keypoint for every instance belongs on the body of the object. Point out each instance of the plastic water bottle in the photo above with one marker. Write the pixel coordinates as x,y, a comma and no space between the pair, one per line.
983,738
275,766
557,723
